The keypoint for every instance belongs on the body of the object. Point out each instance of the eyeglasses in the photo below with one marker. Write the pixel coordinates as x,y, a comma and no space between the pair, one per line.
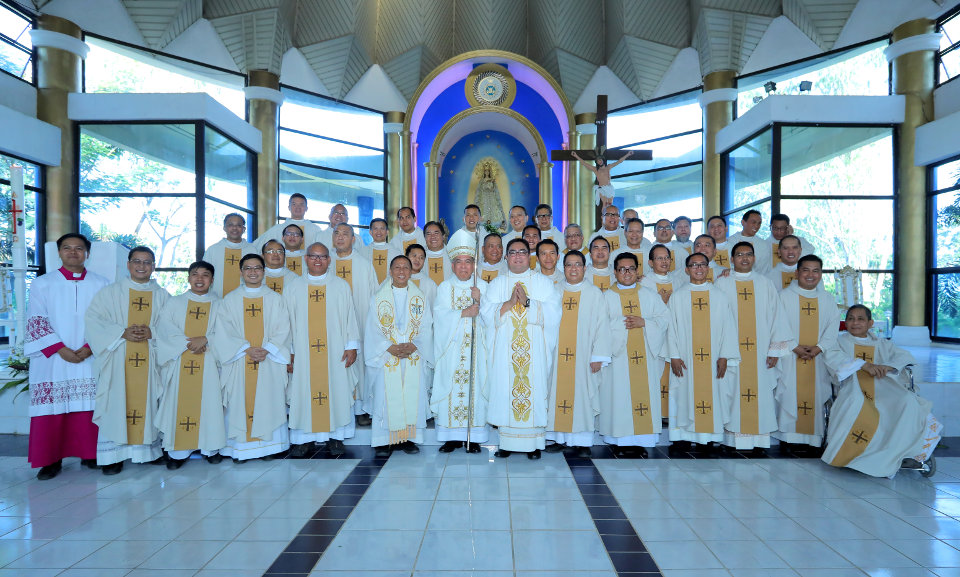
251,268
544,215
663,228
317,256
340,212
739,254
292,233
274,251
626,269
574,235
574,265
662,259
518,253
606,214
698,265
138,262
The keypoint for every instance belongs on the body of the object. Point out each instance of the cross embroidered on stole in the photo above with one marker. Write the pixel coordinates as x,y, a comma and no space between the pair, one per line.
702,362
566,362
136,368
345,271
665,289
435,269
190,391
253,333
601,282
614,242
295,264
787,277
807,370
749,355
275,283
489,275
776,253
380,264
637,365
230,270
868,419
318,358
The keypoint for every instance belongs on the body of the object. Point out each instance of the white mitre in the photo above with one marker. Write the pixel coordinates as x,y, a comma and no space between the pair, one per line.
463,243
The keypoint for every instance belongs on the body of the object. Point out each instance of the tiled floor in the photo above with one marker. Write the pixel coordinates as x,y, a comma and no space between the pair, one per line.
444,515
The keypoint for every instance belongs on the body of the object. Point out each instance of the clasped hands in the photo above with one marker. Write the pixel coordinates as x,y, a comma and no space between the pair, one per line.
519,296
75,355
137,333
807,353
402,350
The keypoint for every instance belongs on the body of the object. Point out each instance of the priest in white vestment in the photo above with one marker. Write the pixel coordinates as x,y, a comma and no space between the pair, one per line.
276,275
763,339
780,228
518,221
876,423
717,230
751,222
682,228
659,277
298,210
460,349
707,246
548,256
610,229
785,271
813,321
573,240
599,273
225,254
379,252
409,232
418,258
522,308
437,264
61,378
531,234
338,215
702,344
120,325
294,248
635,244
190,417
326,341
398,347
543,218
631,393
583,349
252,341
492,264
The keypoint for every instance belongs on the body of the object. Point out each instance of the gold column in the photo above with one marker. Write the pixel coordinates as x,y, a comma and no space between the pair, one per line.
546,182
587,211
393,126
59,74
431,192
264,114
406,156
716,115
913,78
573,185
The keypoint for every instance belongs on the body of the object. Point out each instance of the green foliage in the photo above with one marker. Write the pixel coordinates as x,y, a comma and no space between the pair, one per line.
19,366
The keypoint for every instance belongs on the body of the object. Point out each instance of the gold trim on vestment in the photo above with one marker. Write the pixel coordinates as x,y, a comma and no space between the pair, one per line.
253,334
520,347
190,390
702,362
637,365
230,270
868,419
566,372
136,367
807,369
747,331
318,358
380,265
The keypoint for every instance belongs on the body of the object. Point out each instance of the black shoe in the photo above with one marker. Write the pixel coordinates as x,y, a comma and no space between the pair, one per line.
214,459
473,448
300,451
364,420
758,453
89,463
502,454
584,452
237,461
382,451
336,448
555,448
534,455
450,446
112,469
174,464
50,471
786,447
409,447
679,447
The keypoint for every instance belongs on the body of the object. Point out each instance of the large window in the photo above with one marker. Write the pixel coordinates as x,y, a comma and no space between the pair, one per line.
331,152
151,184
944,258
671,184
16,50
948,56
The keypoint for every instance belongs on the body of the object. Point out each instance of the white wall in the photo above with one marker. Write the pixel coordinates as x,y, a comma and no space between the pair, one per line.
782,42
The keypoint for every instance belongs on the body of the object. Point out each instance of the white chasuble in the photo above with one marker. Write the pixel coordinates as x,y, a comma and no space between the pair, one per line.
812,319
702,330
380,255
398,386
276,279
404,239
361,278
311,234
524,344
876,422
602,278
324,325
452,396
225,257
191,406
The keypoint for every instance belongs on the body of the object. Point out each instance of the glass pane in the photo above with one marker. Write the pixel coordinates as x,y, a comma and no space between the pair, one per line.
318,115
836,160
663,194
949,65
228,175
323,152
947,306
855,232
667,152
114,68
214,213
654,120
877,291
14,26
8,303
137,158
946,175
165,224
363,197
15,61
30,225
748,171
174,281
31,172
735,220
947,235
951,32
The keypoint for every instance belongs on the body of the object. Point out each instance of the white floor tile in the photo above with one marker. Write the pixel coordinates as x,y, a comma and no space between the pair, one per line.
870,553
809,555
682,555
465,550
470,515
184,555
55,554
269,529
386,515
468,488
534,515
928,553
745,555
560,551
403,489
371,551
128,554
257,555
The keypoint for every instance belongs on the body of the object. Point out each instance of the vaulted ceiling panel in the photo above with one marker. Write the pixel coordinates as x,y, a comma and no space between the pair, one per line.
160,21
330,60
571,25
725,40
490,24
821,20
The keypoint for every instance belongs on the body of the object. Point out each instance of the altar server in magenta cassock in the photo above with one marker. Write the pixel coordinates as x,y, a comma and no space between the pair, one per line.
226,253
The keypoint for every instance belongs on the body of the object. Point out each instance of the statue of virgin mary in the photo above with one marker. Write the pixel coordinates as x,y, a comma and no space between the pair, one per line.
487,193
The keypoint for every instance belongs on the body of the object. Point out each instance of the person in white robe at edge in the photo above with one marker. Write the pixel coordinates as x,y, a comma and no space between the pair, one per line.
409,233
225,254
522,309
717,230
398,346
813,320
631,411
543,218
276,275
190,417
61,376
877,424
518,221
548,255
599,273
603,190
120,325
707,246
763,339
789,251
702,344
252,341
610,229
763,252
297,206
573,240
455,399
635,244
379,252
293,246
326,339
418,258
492,264
583,348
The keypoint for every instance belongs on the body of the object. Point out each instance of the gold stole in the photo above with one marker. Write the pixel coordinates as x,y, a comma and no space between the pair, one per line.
776,253
136,369
230,272
601,282
533,261
319,373
520,345
407,243
435,269
787,277
345,271
295,264
868,419
702,362
567,363
637,365
190,393
807,370
275,283
253,333
614,242
665,390
415,281
380,263
709,275
673,260
665,289
722,257
489,275
747,329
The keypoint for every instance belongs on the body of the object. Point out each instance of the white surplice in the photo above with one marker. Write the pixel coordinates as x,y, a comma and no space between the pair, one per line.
216,255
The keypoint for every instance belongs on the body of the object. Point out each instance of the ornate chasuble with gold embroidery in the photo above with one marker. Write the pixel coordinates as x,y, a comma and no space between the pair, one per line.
702,362
380,265
230,270
435,269
520,345
614,242
136,369
787,277
868,419
807,369
747,331
601,282
253,333
489,275
345,271
319,368
275,283
190,394
637,364
567,362
295,264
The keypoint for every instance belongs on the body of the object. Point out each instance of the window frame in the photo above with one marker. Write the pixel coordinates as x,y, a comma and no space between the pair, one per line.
21,11
938,56
932,270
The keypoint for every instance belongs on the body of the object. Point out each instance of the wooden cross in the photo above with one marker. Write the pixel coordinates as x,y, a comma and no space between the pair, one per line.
746,343
317,294
139,303
198,312
253,310
700,304
566,354
630,306
435,267
570,303
187,423
320,398
342,272
564,407
136,360
232,260
703,407
380,260
859,437
134,417
319,345
636,358
809,309
701,355
642,409
805,408
193,366
745,293
749,395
